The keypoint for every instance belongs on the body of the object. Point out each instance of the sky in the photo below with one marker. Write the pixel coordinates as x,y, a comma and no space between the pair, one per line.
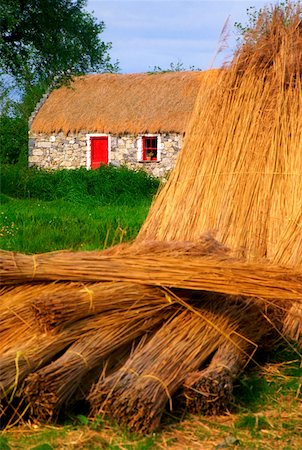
149,33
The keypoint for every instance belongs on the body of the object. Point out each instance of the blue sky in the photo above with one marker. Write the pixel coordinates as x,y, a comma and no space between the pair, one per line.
152,33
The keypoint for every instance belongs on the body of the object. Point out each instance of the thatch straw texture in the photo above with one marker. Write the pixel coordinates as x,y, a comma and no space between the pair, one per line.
75,301
209,391
136,395
17,322
49,388
224,275
119,104
239,173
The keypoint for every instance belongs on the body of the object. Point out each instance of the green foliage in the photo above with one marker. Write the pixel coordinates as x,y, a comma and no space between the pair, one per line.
14,123
106,185
254,27
34,226
72,209
13,139
45,39
4,443
43,43
173,67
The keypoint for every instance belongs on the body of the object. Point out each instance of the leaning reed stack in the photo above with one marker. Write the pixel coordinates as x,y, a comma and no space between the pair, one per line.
239,173
137,394
54,385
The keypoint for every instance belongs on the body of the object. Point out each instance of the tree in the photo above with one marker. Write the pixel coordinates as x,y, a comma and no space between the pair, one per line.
257,20
43,43
173,67
50,40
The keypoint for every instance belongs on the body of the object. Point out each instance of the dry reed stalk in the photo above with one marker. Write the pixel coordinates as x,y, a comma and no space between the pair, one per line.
78,300
209,391
213,274
245,170
36,352
17,323
137,394
48,389
292,324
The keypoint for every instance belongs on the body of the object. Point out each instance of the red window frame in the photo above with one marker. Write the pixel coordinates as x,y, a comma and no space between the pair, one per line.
150,148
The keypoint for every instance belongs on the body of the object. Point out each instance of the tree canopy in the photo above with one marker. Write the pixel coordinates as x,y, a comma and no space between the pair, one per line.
48,39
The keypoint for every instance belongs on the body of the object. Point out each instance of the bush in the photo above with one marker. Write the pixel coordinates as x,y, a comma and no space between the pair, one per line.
13,139
106,185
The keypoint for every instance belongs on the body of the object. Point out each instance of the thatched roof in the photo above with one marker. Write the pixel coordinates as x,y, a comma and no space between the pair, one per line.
122,103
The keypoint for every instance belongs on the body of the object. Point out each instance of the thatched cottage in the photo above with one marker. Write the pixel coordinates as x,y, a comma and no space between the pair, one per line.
137,119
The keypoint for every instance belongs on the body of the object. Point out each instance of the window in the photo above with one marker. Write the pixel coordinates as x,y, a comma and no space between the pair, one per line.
149,147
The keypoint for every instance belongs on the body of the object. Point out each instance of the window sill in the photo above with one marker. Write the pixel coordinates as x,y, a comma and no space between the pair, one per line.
148,162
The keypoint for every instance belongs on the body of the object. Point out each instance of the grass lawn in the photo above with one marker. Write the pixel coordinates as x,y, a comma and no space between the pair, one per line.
267,415
34,226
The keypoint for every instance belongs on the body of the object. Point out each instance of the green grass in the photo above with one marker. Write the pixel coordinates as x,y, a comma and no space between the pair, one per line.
33,226
81,209
107,185
267,414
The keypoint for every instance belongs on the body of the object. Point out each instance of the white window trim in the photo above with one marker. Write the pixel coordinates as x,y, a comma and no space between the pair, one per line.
140,146
88,153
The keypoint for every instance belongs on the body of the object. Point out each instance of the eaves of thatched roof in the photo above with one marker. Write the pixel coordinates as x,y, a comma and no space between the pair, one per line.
123,103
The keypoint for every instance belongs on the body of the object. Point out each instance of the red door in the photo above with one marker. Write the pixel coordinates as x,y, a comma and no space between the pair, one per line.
99,151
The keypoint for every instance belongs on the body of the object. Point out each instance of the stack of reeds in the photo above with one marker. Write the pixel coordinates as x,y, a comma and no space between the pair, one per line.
214,274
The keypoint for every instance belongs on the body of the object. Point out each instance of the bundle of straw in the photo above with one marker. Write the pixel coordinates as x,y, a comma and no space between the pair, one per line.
137,394
207,274
76,301
49,388
17,323
209,391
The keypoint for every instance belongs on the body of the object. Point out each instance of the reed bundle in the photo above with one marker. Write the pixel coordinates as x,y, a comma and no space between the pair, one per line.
76,301
137,394
42,347
239,172
17,323
207,274
52,386
209,391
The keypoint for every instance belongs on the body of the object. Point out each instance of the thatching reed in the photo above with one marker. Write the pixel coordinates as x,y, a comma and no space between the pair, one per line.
123,103
136,395
76,301
54,385
209,391
17,323
239,172
224,275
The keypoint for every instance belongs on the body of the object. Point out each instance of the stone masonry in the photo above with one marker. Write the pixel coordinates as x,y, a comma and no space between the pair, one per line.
59,151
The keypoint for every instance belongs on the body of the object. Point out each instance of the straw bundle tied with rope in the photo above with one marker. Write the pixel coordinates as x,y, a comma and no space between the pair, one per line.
52,386
224,243
121,325
211,274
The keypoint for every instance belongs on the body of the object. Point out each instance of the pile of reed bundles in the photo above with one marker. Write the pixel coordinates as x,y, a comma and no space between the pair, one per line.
172,319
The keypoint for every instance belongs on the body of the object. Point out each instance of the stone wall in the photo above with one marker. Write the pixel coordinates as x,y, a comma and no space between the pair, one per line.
60,152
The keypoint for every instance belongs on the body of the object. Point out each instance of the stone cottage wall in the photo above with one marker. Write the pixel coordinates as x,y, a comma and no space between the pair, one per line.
70,152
